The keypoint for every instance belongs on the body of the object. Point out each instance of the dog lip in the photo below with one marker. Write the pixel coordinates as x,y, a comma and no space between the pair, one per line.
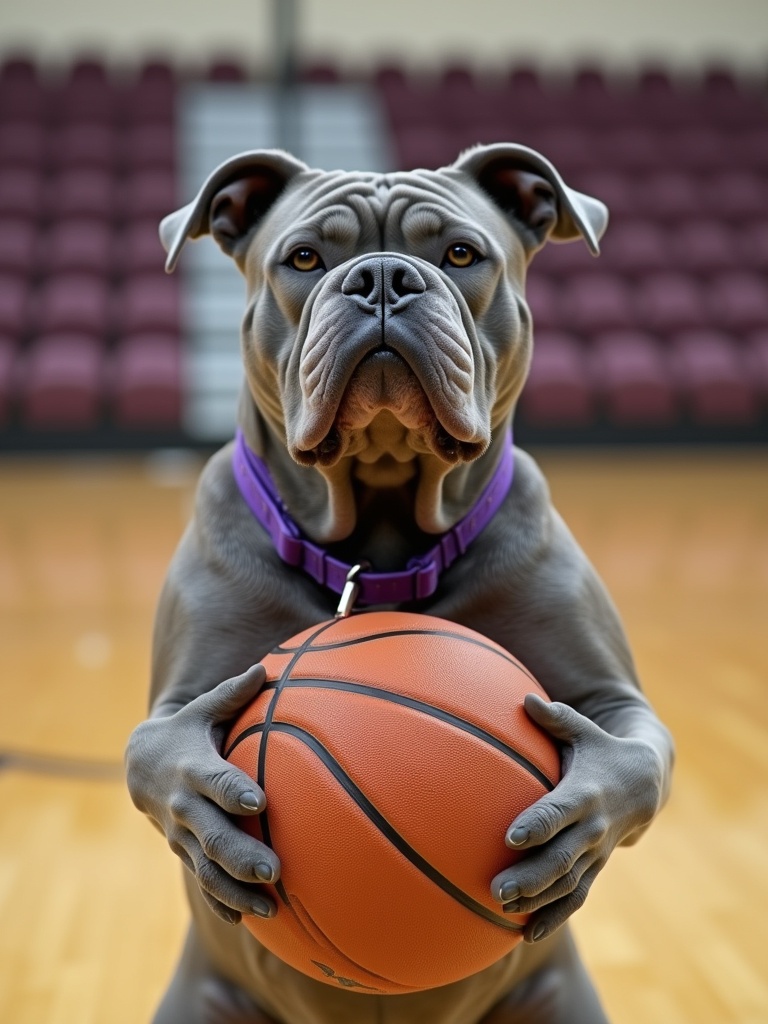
443,444
321,440
438,434
381,354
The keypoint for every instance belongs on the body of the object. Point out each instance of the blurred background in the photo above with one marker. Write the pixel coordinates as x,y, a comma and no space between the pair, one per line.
647,406
111,117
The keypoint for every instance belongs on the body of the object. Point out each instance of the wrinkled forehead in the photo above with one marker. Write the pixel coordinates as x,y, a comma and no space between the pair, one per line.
341,206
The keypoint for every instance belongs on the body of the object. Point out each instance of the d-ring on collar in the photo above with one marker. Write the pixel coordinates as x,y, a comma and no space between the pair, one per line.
418,580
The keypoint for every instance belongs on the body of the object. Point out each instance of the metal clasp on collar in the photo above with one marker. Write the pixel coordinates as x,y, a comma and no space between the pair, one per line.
350,591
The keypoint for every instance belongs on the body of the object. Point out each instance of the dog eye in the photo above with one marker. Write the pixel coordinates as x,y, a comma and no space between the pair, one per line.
305,259
461,255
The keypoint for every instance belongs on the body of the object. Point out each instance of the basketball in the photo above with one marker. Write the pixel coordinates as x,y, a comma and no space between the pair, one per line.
394,751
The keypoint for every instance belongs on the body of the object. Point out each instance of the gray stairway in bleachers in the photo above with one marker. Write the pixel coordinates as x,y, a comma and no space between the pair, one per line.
338,127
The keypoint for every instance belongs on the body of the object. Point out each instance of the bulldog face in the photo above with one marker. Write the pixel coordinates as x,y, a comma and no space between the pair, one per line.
386,328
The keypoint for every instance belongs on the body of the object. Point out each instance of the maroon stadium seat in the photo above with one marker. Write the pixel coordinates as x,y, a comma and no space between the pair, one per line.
14,299
561,261
425,147
18,247
658,100
320,72
558,390
526,80
737,195
714,378
81,193
148,148
226,69
77,245
631,374
22,95
73,303
22,146
457,76
593,303
18,68
542,296
756,356
695,150
571,150
86,94
151,97
79,145
591,99
8,354
390,76
148,194
62,382
739,302
532,99
753,245
472,115
670,196
616,190
146,383
21,193
137,249
629,150
731,104
636,247
748,148
668,303
704,247
148,303
413,107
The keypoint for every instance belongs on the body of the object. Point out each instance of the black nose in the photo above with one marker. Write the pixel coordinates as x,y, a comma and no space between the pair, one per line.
383,281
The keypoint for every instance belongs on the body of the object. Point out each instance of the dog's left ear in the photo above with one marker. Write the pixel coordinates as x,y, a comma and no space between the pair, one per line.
527,187
231,201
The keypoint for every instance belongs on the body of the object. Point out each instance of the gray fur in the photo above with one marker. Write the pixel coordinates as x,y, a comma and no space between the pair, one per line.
379,389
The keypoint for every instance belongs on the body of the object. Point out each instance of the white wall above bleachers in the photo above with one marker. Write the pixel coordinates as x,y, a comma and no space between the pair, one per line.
489,33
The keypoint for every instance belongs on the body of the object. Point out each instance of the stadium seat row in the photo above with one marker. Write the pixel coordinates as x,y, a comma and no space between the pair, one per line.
31,147
702,246
669,326
86,193
90,93
68,381
88,305
662,303
589,99
78,245
630,380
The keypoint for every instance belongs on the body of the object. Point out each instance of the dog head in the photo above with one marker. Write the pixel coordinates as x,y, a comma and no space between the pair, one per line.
386,336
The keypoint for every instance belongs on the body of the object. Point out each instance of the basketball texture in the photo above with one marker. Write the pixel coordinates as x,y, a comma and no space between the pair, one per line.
395,752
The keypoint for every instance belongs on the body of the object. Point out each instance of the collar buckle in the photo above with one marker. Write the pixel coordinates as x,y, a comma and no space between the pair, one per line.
351,590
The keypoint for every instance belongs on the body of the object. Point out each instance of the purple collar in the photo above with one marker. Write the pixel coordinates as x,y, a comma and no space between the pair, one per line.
417,581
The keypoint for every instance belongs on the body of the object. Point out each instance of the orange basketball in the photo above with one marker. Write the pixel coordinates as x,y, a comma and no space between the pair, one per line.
394,751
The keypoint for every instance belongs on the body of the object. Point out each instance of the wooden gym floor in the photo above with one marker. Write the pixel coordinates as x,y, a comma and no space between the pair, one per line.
676,928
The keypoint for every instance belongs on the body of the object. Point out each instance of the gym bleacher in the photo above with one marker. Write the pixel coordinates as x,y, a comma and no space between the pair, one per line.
662,339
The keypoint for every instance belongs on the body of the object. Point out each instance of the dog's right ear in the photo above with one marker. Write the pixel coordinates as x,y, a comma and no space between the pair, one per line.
232,201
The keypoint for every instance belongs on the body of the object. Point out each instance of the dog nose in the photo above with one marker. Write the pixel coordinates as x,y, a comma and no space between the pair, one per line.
383,281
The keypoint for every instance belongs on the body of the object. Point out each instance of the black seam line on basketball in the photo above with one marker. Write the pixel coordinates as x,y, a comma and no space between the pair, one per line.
261,766
340,952
433,712
250,731
389,832
410,632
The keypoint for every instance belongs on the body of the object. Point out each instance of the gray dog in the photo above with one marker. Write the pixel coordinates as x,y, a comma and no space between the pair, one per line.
386,340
